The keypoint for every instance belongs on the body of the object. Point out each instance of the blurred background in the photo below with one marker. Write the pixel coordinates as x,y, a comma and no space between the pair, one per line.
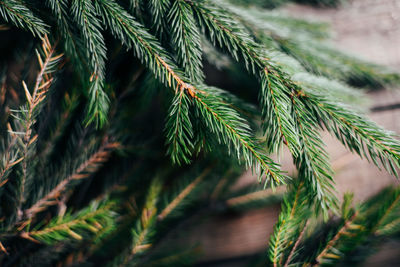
368,29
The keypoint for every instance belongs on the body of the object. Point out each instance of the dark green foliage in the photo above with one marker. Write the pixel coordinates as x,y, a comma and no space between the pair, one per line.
230,129
293,218
159,10
85,17
17,13
332,243
180,130
117,138
186,40
350,128
88,221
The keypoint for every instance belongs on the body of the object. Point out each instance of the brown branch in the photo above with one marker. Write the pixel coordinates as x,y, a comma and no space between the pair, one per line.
391,207
3,249
42,84
184,193
9,162
262,194
292,211
333,241
83,171
296,244
67,226
139,246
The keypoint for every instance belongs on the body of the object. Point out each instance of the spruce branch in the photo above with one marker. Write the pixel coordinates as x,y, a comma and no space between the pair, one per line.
148,50
17,13
276,243
286,229
233,131
186,40
74,226
183,194
83,171
25,118
277,110
283,122
10,158
222,29
313,163
355,131
388,213
85,15
296,245
43,82
179,131
159,10
68,33
143,230
329,252
255,198
145,46
280,120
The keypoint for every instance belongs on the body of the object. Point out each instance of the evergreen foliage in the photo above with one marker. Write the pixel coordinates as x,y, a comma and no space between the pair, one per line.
326,246
115,135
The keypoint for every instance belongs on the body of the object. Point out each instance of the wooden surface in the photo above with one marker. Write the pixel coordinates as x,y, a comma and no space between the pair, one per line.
370,29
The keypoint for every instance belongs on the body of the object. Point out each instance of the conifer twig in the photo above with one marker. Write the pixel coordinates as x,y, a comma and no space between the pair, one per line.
21,16
85,15
10,160
386,213
144,225
3,249
293,250
42,84
148,49
84,170
257,195
342,231
183,194
25,118
91,219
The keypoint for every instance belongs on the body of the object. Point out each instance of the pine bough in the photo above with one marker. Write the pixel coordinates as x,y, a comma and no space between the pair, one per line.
302,88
